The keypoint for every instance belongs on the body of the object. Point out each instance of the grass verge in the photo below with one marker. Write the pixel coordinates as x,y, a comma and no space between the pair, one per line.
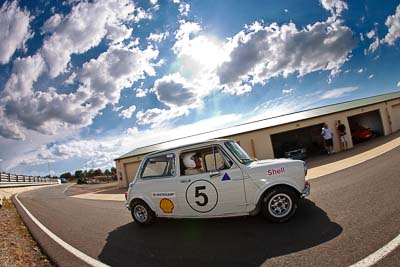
17,247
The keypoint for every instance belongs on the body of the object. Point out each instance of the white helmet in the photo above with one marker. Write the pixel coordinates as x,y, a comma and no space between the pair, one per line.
188,160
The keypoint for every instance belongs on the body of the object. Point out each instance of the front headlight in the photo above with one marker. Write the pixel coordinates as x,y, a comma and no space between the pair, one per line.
305,168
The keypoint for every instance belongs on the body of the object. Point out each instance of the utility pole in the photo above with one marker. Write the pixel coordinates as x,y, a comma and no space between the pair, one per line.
48,167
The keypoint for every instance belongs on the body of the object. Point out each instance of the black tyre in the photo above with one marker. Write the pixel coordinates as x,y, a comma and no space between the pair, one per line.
279,204
142,214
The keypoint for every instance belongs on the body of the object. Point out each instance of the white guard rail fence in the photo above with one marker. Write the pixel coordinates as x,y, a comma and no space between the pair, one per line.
8,178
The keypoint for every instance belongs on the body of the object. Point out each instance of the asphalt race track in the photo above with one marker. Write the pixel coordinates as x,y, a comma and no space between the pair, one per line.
349,215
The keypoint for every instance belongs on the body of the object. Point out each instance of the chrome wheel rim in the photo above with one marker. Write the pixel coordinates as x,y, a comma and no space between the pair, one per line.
140,213
280,205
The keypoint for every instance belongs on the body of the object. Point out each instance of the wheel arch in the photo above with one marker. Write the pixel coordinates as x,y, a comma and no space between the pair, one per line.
268,189
145,200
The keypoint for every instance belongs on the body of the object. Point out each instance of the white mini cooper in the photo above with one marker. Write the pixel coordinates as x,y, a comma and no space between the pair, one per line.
213,179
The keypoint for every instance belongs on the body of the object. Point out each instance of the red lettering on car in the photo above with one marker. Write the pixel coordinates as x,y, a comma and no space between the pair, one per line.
276,171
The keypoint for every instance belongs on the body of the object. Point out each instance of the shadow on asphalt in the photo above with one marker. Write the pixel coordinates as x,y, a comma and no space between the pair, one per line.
243,241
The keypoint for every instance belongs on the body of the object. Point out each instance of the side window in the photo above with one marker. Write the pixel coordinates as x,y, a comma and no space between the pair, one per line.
218,161
192,162
159,167
204,160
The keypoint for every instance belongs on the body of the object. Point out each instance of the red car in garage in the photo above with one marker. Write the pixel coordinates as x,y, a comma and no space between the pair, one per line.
360,134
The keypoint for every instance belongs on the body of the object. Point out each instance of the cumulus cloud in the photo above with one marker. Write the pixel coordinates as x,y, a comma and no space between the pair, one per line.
115,69
186,29
159,117
398,84
336,7
98,154
197,57
253,56
184,8
393,24
132,131
127,113
173,90
141,92
14,29
117,108
371,76
26,71
100,80
84,28
287,91
260,53
158,37
372,35
338,92
9,129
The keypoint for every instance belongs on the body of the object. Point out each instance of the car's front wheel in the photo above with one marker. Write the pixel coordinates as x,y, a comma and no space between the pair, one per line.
279,204
142,214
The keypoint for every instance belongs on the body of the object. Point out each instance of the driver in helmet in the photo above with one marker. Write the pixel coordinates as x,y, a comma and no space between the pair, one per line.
192,164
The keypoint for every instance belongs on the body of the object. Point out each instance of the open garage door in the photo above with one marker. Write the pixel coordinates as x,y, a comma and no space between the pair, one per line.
365,126
291,144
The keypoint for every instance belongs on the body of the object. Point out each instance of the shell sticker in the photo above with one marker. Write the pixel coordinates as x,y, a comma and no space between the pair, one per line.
276,171
166,205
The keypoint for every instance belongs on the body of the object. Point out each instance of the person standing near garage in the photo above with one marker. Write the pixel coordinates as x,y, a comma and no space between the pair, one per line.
342,133
328,138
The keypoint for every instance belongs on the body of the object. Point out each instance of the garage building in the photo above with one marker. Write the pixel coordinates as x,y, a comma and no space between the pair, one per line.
267,138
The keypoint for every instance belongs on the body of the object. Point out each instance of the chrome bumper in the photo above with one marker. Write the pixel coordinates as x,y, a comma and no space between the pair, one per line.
306,190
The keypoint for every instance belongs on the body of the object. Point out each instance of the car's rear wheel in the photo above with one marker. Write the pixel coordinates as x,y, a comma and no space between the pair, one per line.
142,214
279,204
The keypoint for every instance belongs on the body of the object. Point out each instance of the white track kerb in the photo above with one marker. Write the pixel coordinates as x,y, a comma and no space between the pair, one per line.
89,260
379,254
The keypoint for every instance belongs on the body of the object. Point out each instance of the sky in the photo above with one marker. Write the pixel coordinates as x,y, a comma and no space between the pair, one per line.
83,82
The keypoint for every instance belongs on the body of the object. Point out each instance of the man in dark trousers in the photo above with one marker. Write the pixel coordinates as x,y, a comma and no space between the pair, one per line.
342,133
328,138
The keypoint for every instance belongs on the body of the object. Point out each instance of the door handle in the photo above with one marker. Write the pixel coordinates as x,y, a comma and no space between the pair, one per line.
214,173
185,181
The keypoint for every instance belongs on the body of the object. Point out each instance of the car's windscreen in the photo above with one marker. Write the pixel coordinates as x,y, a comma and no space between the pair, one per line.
238,152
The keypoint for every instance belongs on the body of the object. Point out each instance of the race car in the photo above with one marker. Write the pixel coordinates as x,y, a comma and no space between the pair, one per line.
212,179
361,134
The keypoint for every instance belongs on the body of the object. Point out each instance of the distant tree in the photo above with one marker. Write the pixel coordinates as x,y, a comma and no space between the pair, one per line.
85,173
79,174
90,173
98,172
107,172
66,175
114,173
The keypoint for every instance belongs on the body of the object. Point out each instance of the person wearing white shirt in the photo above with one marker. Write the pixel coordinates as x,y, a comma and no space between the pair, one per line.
328,138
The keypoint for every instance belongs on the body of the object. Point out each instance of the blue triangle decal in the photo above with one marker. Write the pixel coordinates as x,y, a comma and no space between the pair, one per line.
226,177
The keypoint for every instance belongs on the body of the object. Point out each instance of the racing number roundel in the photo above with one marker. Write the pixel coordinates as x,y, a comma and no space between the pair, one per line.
202,196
